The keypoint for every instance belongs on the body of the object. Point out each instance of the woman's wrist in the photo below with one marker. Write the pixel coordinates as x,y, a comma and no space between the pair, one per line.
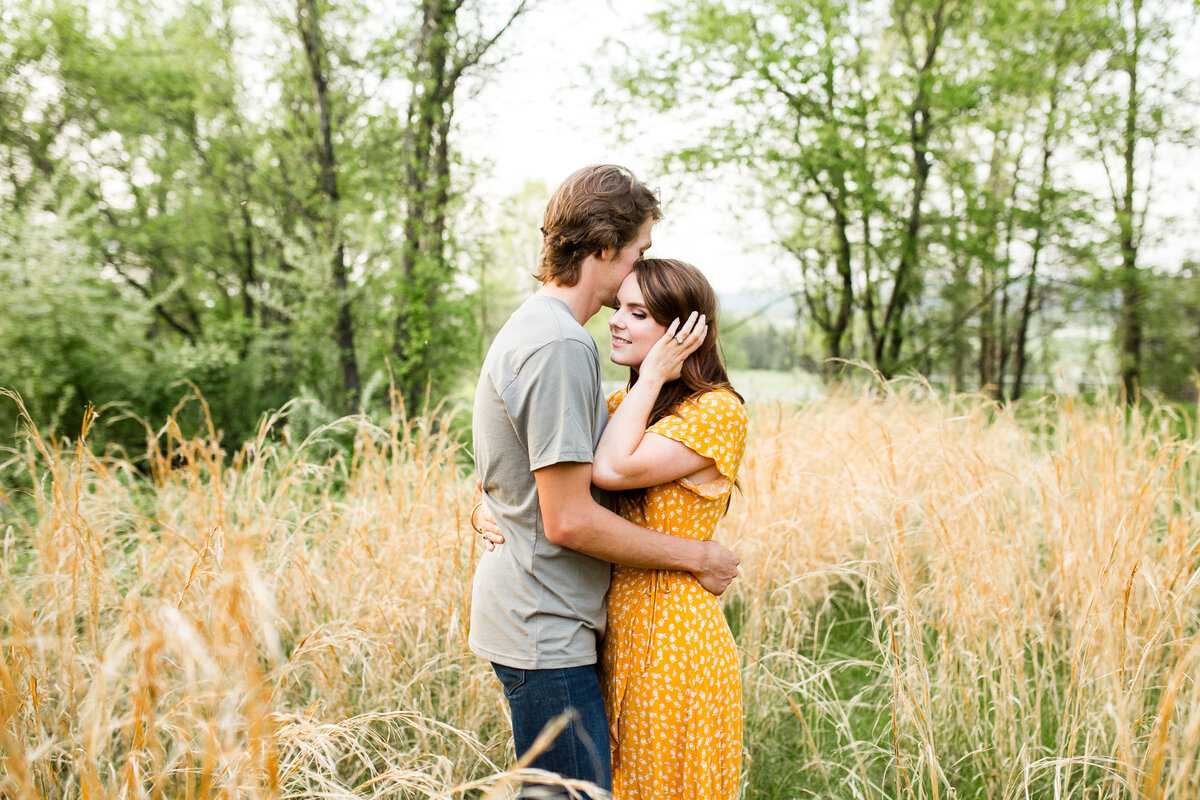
650,382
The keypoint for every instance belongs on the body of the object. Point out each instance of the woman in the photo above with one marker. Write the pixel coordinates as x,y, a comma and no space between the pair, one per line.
672,448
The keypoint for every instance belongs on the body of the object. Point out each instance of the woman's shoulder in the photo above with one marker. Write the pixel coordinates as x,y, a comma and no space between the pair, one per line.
720,402
718,411
614,399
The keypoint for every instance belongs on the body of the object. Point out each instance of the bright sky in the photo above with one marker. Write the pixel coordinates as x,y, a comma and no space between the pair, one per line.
536,119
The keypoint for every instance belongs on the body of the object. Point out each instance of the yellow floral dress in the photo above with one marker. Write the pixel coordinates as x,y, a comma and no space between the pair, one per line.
669,667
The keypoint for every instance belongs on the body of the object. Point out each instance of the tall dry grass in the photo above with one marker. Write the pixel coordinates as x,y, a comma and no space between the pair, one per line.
259,624
938,599
1026,594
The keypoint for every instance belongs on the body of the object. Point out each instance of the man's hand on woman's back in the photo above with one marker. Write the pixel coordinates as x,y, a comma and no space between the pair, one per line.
719,568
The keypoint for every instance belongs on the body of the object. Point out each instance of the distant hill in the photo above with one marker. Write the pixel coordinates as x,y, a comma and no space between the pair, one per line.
774,306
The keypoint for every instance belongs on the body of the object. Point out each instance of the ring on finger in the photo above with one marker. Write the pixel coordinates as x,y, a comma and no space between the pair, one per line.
679,338
473,523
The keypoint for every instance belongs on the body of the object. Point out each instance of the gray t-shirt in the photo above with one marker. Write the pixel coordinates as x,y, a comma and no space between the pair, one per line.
536,605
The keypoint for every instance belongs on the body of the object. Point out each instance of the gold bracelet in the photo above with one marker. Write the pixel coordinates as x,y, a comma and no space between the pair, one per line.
473,525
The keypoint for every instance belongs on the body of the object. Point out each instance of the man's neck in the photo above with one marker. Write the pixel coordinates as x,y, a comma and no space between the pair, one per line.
578,299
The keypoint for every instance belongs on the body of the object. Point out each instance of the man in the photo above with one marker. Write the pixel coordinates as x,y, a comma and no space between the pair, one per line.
538,602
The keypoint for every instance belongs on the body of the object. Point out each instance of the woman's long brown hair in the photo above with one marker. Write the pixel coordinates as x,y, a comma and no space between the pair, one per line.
672,290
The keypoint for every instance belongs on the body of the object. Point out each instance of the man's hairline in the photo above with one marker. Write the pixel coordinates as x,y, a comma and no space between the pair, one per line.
648,218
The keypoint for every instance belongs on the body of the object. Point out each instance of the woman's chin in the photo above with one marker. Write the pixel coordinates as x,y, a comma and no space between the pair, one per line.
620,359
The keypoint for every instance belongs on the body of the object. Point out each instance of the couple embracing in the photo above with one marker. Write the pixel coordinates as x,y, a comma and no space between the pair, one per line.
610,505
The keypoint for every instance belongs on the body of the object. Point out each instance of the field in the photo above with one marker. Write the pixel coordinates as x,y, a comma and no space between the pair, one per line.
939,598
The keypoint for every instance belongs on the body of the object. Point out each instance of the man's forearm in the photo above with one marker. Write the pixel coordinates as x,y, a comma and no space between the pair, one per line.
598,532
573,519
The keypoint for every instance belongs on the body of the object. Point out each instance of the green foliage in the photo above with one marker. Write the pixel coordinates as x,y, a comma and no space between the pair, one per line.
1173,334
210,196
58,324
759,346
929,165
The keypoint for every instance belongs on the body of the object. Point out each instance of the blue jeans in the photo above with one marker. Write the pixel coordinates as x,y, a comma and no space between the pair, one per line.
536,696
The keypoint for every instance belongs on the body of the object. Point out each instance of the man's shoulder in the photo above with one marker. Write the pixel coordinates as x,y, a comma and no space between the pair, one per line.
539,328
548,317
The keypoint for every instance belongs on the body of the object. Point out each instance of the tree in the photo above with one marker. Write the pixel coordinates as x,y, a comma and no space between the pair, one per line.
1132,101
923,26
1006,204
141,158
260,220
812,143
316,58
1172,332
918,158
505,256
835,119
445,48
1057,79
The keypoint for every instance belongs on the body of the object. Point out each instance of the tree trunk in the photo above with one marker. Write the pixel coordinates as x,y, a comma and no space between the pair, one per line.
308,22
440,59
424,222
1005,341
907,278
891,340
1129,279
844,258
1049,137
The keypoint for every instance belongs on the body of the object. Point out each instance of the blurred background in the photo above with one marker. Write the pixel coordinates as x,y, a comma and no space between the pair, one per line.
339,202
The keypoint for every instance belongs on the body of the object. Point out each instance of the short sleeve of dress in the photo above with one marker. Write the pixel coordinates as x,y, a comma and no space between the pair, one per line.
713,425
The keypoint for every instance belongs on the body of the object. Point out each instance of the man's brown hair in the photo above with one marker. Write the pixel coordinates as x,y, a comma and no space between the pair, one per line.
597,208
